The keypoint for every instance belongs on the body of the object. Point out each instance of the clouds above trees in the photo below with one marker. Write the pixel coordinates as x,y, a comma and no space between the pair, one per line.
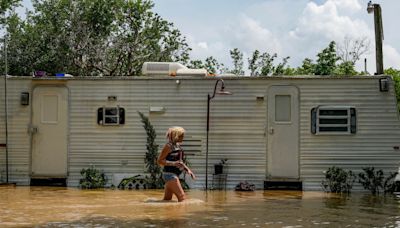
299,29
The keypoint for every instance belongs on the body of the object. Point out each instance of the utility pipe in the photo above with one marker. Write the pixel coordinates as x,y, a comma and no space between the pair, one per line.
377,11
6,102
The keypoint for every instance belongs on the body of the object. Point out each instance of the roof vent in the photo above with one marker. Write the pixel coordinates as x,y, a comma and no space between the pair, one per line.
171,69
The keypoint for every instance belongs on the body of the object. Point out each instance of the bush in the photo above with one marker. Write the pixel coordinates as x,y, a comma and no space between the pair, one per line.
390,186
396,79
371,180
155,179
338,180
92,178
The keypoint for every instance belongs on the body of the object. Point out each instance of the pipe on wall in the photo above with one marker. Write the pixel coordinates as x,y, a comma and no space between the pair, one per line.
6,105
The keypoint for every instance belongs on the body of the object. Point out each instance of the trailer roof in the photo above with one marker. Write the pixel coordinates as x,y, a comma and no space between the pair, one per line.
163,77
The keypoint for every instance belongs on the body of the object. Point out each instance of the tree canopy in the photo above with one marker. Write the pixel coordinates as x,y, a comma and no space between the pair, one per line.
106,38
263,64
6,5
115,38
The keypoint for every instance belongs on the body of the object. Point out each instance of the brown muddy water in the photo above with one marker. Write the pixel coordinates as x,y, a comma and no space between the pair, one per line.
71,207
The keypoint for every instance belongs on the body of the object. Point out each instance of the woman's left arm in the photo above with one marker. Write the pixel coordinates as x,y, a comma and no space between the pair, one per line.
187,170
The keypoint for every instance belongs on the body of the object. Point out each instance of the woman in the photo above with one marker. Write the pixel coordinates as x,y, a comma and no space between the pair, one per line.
171,158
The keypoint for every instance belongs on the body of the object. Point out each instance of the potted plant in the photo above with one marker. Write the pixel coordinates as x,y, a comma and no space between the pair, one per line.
219,167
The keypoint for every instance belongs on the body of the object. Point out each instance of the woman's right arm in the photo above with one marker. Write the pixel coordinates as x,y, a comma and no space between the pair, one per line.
162,158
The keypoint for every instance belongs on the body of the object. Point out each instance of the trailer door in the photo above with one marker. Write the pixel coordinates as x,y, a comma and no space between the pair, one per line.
283,132
49,131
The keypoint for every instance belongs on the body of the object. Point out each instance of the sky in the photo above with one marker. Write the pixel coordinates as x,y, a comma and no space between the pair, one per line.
296,28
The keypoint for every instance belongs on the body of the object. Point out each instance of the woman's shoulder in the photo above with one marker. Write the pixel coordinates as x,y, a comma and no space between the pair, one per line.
169,145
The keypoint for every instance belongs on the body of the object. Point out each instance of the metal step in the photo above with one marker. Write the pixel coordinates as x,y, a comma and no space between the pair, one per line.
7,184
283,184
59,182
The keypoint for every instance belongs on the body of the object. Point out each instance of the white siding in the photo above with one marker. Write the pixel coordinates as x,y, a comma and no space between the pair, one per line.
185,105
18,137
237,126
378,129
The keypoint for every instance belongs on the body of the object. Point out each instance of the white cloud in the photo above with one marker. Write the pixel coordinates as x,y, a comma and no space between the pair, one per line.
296,28
202,49
248,35
327,21
202,45
391,57
331,21
347,5
244,33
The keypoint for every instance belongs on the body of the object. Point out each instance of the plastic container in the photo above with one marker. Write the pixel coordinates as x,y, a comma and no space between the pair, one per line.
218,169
40,73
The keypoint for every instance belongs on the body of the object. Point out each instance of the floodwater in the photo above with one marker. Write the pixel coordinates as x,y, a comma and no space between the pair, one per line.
71,207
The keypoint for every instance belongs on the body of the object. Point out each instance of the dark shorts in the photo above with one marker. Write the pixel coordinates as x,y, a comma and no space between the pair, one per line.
169,176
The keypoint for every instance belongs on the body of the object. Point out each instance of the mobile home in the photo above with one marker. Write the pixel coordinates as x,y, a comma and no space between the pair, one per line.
270,128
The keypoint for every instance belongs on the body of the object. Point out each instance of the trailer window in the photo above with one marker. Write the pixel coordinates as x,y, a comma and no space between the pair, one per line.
333,120
110,116
282,108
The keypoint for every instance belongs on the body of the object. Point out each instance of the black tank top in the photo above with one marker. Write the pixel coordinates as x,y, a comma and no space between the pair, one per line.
176,154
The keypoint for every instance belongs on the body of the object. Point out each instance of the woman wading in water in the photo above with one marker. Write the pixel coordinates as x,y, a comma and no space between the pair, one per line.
171,158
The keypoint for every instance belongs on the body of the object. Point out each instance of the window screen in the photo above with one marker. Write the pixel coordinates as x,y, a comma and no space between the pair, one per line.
333,120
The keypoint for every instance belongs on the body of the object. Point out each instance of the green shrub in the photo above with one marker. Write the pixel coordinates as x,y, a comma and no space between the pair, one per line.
92,178
154,180
338,180
396,79
390,186
371,180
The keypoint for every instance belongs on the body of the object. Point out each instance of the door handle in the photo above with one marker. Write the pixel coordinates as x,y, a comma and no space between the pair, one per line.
32,129
271,130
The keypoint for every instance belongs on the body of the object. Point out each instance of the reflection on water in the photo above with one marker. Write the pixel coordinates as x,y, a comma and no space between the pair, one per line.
70,207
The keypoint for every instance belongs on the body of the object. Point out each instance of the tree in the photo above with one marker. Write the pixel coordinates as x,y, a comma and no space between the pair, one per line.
263,64
91,37
280,68
213,66
6,5
196,64
266,63
307,67
326,62
253,63
155,180
289,71
396,78
210,64
237,58
345,68
350,50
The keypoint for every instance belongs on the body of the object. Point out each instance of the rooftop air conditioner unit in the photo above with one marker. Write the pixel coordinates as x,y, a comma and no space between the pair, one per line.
192,72
161,68
171,69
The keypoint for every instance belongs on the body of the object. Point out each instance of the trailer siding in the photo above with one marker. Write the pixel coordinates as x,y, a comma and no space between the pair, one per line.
238,126
18,137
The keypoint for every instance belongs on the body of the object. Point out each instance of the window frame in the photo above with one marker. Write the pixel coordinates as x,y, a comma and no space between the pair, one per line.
350,117
101,116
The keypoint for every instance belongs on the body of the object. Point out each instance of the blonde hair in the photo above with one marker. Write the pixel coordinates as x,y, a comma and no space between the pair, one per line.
174,133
